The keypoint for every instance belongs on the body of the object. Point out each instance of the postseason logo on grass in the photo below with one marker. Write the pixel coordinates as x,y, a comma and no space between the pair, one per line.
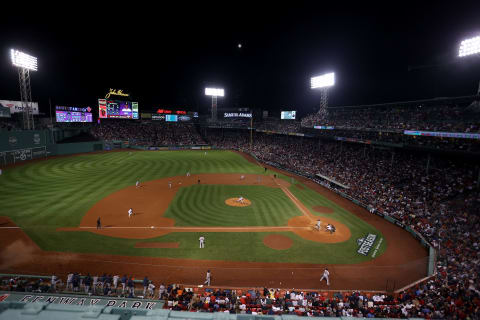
366,243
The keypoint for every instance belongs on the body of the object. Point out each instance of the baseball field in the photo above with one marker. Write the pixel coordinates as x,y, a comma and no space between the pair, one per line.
49,211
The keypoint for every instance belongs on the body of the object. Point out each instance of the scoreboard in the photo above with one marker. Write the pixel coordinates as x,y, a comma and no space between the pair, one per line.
73,114
117,109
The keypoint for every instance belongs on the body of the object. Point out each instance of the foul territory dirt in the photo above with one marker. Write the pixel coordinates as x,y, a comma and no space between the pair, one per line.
403,262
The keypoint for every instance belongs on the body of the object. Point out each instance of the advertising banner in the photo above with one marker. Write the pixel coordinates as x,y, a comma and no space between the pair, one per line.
4,112
17,106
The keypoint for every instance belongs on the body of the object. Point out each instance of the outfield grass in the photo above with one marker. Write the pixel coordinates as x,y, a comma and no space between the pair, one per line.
45,195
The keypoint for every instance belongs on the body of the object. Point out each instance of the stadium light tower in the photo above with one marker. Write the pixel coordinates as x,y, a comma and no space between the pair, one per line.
25,63
214,93
469,47
323,82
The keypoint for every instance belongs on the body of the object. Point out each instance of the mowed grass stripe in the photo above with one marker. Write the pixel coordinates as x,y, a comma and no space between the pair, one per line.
203,205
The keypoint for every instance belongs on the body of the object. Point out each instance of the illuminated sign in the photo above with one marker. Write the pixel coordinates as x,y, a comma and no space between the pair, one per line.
288,115
237,115
117,109
171,118
116,93
460,135
165,111
75,109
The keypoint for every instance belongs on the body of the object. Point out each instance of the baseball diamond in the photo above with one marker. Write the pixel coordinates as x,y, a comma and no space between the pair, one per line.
275,235
243,161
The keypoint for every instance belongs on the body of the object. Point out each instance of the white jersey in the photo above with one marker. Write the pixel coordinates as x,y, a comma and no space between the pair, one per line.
137,183
201,239
115,280
319,223
326,273
240,199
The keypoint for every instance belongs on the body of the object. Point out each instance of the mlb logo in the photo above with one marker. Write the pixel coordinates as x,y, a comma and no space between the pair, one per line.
3,297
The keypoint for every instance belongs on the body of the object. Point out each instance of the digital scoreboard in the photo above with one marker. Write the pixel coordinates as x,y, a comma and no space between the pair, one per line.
288,115
117,109
73,114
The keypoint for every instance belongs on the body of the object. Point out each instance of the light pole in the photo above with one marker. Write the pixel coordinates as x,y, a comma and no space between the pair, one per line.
25,63
214,93
323,82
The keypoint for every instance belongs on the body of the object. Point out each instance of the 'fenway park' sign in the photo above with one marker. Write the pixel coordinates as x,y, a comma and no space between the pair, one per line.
80,300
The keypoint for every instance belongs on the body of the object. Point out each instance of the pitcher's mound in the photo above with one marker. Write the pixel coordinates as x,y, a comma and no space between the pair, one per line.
234,202
277,242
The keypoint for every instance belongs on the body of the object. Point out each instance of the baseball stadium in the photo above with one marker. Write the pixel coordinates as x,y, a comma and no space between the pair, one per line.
124,208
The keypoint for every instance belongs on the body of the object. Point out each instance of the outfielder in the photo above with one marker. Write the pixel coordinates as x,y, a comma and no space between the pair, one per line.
325,276
202,242
130,212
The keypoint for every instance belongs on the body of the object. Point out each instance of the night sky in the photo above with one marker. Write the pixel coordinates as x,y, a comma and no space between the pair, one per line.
165,56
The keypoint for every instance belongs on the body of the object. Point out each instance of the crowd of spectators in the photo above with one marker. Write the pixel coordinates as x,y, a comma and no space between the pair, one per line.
448,117
437,196
281,126
148,133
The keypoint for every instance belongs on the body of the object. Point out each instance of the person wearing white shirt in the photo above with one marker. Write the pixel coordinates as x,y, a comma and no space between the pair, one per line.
325,276
69,281
208,278
151,289
202,242
115,282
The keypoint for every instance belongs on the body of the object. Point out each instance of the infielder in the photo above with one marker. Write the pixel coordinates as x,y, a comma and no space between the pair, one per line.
202,242
318,225
240,200
325,276
242,177
188,173
137,184
208,278
130,212
170,184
